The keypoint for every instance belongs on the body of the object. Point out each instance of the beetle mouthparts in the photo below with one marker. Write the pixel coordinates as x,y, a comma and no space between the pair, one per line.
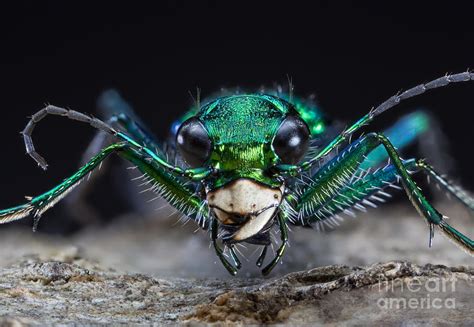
245,204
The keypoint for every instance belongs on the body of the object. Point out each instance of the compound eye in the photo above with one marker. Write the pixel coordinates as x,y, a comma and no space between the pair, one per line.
193,142
291,140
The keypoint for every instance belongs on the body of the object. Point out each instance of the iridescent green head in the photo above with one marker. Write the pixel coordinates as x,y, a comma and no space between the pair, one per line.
243,137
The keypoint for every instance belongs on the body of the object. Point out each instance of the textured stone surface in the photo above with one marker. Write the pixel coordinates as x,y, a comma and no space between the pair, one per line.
81,292
143,270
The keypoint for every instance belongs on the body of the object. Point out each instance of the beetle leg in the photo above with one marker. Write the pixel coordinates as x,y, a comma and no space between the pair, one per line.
38,205
162,182
220,254
171,188
282,248
418,127
262,255
234,257
336,175
358,194
432,216
460,194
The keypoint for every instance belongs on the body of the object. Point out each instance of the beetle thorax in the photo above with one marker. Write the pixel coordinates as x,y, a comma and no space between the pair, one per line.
246,204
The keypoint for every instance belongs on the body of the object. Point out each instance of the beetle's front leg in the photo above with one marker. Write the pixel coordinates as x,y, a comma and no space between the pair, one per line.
162,182
219,252
332,178
39,204
284,243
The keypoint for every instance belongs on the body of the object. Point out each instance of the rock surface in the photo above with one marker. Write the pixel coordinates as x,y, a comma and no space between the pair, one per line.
143,271
35,292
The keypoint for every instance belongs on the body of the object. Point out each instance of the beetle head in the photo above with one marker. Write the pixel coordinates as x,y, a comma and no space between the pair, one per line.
242,137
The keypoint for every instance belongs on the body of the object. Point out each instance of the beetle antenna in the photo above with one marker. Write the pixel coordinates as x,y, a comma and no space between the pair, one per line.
197,99
290,87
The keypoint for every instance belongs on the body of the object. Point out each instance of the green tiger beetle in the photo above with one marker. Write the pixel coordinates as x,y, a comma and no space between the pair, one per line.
243,165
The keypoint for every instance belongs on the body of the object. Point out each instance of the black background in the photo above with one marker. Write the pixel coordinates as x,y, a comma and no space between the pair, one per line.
353,56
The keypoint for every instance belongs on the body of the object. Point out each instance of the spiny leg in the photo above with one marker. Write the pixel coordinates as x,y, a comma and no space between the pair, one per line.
453,189
175,190
432,216
162,182
38,205
358,193
328,182
365,120
371,188
333,175
464,242
121,117
315,191
77,205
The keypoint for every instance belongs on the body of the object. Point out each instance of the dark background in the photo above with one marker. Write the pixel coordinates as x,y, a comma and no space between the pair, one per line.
353,56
